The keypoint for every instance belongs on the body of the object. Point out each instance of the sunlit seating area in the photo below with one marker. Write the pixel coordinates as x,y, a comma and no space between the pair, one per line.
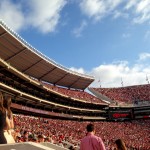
59,132
130,94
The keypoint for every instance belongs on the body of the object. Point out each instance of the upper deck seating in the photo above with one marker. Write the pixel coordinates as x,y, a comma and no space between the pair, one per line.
129,94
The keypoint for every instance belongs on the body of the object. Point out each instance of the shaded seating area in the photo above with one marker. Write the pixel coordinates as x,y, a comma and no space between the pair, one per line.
74,93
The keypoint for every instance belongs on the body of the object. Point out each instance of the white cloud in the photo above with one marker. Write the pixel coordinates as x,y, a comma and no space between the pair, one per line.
93,8
131,3
143,11
144,56
143,6
80,70
137,10
78,31
12,14
45,15
42,15
111,75
119,14
98,8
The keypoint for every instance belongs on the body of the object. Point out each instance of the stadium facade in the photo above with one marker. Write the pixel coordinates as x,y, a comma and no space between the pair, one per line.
40,86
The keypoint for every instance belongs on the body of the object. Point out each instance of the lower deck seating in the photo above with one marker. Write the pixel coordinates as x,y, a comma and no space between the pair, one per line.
135,133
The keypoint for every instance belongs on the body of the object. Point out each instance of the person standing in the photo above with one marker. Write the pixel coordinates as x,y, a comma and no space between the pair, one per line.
7,105
90,141
8,131
3,120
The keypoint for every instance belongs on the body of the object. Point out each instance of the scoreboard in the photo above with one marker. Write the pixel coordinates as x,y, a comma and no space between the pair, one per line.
119,115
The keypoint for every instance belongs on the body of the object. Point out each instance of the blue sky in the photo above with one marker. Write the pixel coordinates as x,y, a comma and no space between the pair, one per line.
109,39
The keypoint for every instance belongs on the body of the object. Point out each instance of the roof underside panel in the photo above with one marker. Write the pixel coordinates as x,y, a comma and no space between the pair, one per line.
22,56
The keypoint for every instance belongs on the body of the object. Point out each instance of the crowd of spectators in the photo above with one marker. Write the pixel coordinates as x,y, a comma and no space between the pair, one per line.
73,93
130,94
135,134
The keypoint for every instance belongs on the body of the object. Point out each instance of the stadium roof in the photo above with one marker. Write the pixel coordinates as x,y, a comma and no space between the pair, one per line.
21,55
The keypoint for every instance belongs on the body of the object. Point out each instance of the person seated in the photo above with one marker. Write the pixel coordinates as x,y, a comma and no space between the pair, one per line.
40,138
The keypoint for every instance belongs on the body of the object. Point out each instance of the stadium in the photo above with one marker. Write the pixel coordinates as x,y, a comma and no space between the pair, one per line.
51,100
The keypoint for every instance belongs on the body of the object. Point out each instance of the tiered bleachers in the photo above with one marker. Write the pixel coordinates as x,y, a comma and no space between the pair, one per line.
135,133
76,94
15,80
130,94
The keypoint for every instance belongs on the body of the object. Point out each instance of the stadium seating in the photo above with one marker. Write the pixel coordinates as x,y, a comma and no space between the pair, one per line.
135,133
26,83
130,94
75,94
